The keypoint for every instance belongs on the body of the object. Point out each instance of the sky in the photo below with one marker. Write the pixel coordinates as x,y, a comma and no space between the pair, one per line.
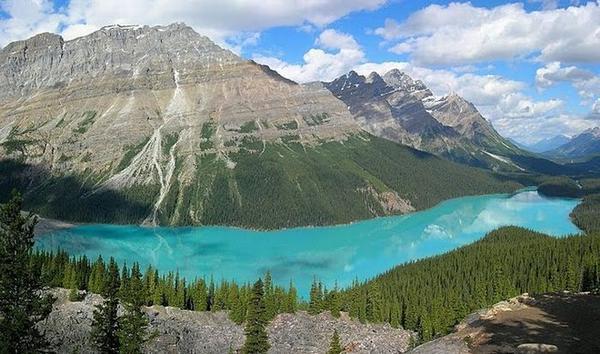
531,67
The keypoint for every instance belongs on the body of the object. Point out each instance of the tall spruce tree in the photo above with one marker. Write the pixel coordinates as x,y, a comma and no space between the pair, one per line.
257,340
105,322
21,302
335,347
133,325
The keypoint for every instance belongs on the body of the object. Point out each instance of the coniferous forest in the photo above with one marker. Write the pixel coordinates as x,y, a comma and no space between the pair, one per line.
429,296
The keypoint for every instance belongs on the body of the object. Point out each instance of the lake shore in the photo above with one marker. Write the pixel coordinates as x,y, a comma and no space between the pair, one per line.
44,226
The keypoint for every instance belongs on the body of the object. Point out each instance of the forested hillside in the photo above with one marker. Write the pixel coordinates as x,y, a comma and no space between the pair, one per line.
268,186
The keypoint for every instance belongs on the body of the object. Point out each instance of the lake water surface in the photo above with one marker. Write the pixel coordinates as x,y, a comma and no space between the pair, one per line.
333,254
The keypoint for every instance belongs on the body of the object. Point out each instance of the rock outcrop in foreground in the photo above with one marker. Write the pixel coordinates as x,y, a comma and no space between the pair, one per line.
552,323
182,331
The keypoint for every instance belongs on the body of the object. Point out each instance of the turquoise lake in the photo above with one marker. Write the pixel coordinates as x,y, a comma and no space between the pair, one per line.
333,254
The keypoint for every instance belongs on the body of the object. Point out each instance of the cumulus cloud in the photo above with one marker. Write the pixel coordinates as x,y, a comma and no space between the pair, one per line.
218,19
462,33
585,82
337,54
532,130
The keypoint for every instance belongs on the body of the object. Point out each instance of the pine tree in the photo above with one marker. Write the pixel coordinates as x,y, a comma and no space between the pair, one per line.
21,305
314,306
257,340
105,322
96,281
133,324
335,347
291,300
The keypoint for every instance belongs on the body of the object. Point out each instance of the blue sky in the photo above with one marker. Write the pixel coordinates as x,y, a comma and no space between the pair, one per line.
531,67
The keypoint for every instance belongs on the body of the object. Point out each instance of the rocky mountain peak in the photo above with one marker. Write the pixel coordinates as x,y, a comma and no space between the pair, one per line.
594,131
402,81
374,77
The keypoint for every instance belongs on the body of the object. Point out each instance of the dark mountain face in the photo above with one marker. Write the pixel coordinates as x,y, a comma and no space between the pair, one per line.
398,108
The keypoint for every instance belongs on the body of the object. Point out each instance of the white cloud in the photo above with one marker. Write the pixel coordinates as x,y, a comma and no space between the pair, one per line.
219,19
531,130
462,33
596,107
338,53
585,82
332,39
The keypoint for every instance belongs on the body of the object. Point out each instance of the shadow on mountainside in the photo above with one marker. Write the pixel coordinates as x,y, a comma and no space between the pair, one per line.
70,198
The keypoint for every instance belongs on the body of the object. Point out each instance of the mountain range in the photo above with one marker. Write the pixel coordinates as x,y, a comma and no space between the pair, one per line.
548,144
585,144
398,108
159,125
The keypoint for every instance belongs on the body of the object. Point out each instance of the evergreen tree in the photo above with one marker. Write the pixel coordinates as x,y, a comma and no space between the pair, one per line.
96,281
105,322
21,305
335,347
314,306
291,302
257,340
133,325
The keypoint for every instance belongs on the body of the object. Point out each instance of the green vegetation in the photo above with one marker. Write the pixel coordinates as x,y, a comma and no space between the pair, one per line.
249,127
168,141
85,124
208,130
16,143
286,185
434,294
587,214
316,119
293,125
105,322
69,198
335,347
132,326
21,303
156,289
271,185
131,151
206,133
257,340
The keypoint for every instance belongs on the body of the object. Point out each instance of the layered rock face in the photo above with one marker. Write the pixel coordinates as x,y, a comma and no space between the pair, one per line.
401,109
160,126
127,105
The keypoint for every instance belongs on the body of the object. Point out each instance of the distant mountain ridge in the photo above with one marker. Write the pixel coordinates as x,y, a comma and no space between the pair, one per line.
548,143
396,107
159,125
583,145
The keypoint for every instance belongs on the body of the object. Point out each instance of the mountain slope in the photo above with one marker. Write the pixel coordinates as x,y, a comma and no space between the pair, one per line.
400,109
582,145
161,126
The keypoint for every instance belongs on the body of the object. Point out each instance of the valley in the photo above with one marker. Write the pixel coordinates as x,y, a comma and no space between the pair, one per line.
187,190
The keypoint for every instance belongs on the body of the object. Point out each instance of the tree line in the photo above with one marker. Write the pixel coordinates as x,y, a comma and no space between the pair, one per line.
429,296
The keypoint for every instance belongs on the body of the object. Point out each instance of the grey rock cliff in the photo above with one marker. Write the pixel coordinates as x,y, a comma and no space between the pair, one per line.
126,106
401,109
